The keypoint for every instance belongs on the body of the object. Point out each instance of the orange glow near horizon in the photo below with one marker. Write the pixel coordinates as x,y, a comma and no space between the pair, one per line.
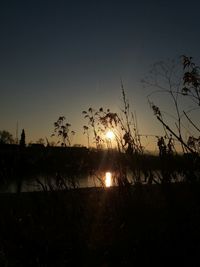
108,180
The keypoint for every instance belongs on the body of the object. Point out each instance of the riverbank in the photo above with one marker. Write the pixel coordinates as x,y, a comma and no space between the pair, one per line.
101,227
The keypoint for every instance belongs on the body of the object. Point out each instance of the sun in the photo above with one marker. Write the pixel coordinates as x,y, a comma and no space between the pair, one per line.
110,135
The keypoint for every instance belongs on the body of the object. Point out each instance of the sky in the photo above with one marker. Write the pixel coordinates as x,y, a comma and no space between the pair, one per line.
62,57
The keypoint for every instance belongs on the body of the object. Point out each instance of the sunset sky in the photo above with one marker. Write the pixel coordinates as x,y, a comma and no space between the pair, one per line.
61,57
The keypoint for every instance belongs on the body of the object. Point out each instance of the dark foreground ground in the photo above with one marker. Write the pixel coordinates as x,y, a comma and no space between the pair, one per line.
139,226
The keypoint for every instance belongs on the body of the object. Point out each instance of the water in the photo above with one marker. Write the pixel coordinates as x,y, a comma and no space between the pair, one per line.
50,183
41,183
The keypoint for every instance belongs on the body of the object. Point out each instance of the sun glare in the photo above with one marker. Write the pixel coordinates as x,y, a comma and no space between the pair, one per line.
108,180
110,134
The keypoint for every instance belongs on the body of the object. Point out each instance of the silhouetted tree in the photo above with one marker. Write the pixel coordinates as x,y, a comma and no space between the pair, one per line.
182,84
191,79
6,137
22,141
178,82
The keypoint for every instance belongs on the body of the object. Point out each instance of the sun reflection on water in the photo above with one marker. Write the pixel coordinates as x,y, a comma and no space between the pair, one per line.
108,180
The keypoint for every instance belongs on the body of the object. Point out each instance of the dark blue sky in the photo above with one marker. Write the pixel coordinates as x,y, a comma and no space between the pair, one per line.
61,57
